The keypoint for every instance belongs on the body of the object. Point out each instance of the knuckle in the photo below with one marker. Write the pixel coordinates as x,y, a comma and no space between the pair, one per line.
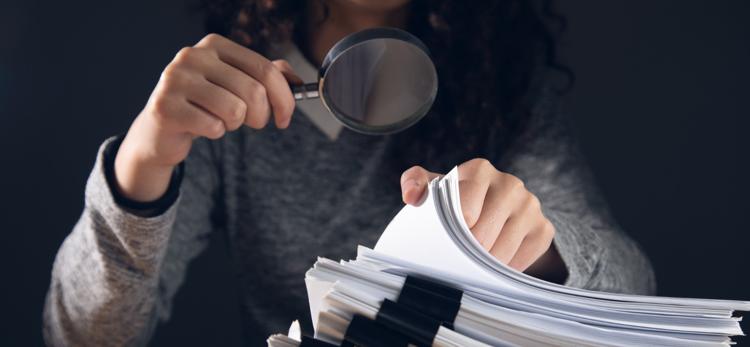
282,62
232,126
210,39
548,230
172,77
184,55
256,121
160,108
514,182
238,116
258,117
482,163
534,202
267,70
240,110
215,130
258,95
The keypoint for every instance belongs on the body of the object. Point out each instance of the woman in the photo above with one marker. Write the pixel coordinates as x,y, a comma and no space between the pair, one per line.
200,158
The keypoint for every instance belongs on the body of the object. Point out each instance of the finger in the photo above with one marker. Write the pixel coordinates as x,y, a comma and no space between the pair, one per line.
495,211
509,239
475,177
473,193
252,92
259,111
413,183
218,101
193,119
277,88
533,247
525,219
288,72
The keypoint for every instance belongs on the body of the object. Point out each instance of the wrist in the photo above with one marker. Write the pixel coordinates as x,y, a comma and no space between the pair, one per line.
138,178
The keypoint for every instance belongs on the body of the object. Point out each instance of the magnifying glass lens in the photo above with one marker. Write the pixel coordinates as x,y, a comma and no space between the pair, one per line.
380,86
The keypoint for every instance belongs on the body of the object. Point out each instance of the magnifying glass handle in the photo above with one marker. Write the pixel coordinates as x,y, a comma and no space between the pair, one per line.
305,91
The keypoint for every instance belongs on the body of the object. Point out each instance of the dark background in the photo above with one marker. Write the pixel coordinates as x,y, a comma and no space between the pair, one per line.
660,106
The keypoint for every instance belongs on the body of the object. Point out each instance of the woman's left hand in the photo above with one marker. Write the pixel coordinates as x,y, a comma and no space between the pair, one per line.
504,217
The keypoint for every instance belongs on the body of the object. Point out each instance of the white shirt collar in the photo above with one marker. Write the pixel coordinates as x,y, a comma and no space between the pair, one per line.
313,109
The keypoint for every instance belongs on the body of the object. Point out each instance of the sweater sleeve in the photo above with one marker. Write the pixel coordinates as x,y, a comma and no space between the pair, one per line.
116,273
597,253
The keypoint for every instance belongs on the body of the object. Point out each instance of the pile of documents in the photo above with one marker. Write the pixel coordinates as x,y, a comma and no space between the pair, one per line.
454,293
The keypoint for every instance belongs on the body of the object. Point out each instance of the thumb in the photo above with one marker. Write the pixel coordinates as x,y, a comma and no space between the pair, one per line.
413,183
288,72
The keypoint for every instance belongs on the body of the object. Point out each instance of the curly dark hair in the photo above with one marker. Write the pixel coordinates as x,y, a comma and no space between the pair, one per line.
488,54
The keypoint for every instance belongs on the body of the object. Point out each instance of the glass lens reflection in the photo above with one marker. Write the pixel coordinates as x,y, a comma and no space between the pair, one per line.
380,82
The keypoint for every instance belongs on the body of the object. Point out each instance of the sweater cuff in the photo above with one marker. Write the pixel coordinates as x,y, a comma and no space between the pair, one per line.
142,237
576,246
138,208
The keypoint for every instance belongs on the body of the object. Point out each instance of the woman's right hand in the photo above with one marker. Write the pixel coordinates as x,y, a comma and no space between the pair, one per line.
208,89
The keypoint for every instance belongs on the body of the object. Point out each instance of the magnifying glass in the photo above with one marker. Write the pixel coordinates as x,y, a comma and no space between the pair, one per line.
376,81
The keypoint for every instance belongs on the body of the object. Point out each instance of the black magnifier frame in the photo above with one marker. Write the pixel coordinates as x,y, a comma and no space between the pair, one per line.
320,90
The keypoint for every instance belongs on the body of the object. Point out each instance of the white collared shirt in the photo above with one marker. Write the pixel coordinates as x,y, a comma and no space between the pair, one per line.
313,109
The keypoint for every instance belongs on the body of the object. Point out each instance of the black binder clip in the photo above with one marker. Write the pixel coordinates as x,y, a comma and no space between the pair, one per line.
419,328
423,306
369,333
308,341
433,299
394,325
363,332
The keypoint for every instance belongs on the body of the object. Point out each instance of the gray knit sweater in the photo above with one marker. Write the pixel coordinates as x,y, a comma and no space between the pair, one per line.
283,198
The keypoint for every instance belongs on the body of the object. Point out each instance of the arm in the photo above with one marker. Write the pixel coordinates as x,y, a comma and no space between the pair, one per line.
597,253
116,273
539,211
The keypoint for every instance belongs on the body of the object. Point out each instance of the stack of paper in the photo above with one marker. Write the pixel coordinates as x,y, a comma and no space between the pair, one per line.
429,282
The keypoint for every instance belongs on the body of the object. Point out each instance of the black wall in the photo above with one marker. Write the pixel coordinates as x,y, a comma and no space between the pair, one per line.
660,106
